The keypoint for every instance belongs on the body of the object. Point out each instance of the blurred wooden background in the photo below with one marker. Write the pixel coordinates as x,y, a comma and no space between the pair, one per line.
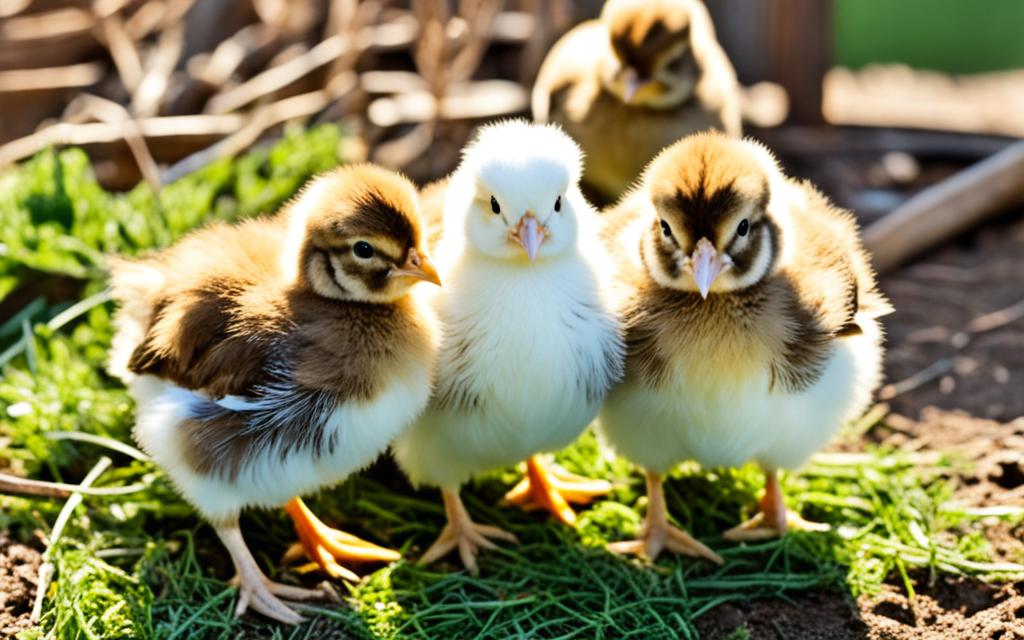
153,89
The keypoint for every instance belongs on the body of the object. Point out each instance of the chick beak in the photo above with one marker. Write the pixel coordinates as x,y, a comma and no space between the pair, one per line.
706,264
418,266
634,84
530,234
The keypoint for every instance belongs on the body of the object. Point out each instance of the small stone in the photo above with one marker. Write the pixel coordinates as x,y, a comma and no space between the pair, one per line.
946,385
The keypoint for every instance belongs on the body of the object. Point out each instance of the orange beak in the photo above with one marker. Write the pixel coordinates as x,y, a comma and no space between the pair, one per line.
419,267
634,84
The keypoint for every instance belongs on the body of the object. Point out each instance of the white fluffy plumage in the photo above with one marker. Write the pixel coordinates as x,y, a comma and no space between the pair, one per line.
529,348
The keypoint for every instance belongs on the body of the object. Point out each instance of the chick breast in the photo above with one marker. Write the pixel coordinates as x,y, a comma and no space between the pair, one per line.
527,356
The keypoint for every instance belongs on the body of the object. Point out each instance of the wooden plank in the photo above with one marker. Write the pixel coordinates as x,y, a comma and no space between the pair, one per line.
948,209
816,141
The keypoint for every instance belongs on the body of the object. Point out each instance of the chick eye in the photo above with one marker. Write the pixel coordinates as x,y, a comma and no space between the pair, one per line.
494,206
558,203
667,230
363,250
744,227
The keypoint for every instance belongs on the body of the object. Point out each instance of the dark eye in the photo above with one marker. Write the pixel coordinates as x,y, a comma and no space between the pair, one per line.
667,230
362,249
494,206
744,227
558,203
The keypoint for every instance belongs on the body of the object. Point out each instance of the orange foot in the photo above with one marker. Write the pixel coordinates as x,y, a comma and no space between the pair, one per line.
326,546
553,488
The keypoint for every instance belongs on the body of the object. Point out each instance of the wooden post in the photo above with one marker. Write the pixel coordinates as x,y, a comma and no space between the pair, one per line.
783,41
801,50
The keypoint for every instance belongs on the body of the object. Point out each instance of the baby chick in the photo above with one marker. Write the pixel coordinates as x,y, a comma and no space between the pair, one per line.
750,311
635,80
278,355
529,347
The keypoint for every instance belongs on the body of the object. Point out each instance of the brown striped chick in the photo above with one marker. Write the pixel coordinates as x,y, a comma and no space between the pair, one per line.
635,80
751,317
276,356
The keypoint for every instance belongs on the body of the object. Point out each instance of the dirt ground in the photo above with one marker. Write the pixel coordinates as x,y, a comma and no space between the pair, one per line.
939,303
19,567
950,610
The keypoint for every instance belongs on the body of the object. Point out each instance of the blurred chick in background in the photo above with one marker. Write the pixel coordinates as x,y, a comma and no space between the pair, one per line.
529,346
626,85
276,356
751,317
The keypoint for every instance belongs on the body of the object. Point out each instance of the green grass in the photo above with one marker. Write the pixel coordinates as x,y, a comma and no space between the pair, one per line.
141,565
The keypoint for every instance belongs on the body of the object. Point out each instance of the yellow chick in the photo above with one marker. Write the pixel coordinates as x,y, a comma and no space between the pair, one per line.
643,75
751,317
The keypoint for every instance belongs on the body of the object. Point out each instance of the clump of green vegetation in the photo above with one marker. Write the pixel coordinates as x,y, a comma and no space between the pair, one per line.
141,564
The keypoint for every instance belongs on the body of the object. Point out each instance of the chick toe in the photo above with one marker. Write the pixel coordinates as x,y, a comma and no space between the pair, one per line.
552,488
328,548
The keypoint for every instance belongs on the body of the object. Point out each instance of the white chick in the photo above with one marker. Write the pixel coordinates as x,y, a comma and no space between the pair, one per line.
529,344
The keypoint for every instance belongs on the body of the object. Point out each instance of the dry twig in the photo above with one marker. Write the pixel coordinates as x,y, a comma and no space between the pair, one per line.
288,109
201,126
115,114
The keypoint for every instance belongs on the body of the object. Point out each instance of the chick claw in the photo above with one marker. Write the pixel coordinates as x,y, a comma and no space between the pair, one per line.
760,528
658,534
654,538
460,531
263,596
326,546
773,519
553,488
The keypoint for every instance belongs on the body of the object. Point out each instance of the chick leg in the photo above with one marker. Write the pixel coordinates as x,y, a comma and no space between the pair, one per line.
553,488
326,546
773,519
256,590
462,532
657,534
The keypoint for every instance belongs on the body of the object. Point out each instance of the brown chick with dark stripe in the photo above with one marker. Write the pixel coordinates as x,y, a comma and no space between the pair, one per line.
638,78
751,315
276,356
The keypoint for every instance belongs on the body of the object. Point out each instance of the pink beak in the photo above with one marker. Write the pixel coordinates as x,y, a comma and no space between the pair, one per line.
706,264
530,235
